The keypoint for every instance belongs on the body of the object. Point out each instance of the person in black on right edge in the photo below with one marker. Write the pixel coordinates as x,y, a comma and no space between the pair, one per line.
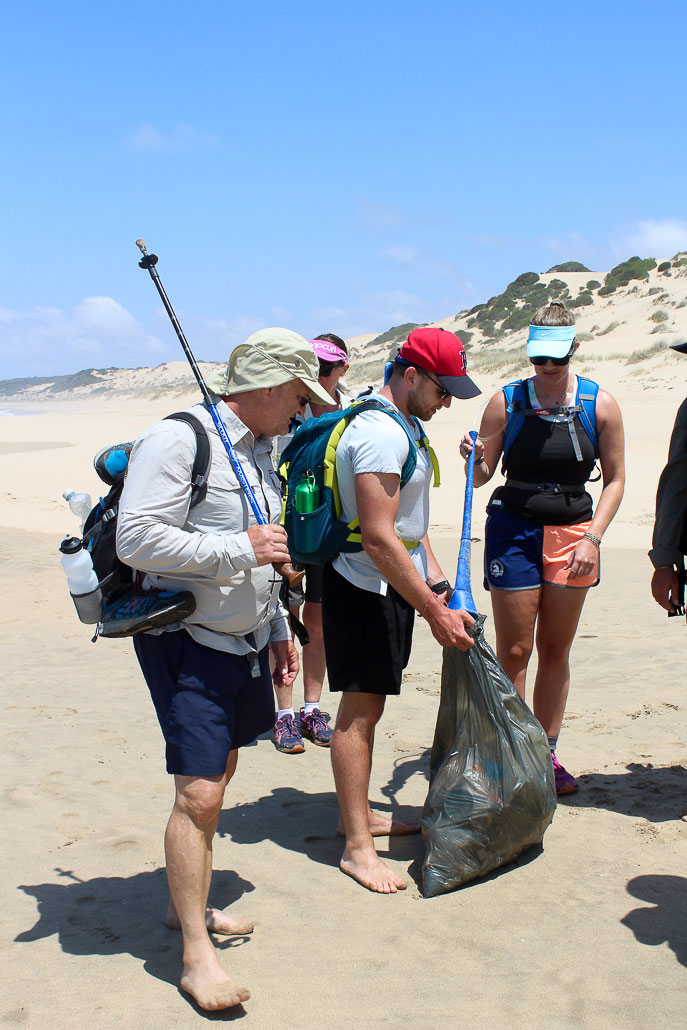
669,543
542,537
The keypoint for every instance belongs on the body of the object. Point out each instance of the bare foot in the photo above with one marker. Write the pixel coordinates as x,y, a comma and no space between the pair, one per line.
212,994
382,826
217,921
368,870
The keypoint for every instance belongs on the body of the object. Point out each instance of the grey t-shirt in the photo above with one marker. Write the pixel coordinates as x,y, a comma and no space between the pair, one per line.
373,442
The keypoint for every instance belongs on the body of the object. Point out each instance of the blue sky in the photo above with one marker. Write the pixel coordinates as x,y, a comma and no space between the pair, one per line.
328,167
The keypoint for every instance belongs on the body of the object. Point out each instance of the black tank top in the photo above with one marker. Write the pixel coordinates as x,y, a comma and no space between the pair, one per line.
543,452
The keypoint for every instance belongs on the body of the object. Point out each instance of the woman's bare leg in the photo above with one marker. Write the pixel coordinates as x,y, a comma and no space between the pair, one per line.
515,613
559,615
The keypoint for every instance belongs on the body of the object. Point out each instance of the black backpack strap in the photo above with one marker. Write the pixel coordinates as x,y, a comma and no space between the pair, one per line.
203,458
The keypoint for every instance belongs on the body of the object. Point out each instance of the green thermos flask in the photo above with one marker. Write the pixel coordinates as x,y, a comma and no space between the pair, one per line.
307,494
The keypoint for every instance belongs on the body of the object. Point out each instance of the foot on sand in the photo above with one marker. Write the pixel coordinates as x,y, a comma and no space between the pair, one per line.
212,994
369,871
216,920
382,826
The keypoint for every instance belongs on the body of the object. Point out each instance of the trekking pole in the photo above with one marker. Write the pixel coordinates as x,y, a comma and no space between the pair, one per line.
148,262
462,594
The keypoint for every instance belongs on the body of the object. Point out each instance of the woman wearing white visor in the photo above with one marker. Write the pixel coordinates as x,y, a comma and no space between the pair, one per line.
542,536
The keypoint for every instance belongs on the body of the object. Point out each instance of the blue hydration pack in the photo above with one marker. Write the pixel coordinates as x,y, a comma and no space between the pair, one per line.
584,406
317,537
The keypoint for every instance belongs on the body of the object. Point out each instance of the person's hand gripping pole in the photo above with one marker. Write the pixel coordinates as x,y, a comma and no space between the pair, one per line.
148,262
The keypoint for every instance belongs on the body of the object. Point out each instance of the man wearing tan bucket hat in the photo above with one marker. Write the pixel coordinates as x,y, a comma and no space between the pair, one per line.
209,677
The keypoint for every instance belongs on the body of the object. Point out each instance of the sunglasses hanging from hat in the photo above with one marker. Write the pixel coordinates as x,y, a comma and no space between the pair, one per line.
148,262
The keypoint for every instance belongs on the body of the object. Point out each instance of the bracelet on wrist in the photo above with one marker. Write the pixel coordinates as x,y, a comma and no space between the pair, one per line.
441,587
596,540
430,597
478,461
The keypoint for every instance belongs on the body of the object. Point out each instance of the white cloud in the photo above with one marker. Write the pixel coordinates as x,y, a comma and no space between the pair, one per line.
98,332
570,246
181,139
375,312
377,216
652,238
402,254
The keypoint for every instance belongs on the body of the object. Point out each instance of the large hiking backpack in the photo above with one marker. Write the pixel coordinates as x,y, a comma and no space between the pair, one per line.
100,529
585,406
318,536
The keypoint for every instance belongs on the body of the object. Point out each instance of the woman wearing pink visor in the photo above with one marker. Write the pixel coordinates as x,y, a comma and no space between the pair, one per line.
542,536
313,724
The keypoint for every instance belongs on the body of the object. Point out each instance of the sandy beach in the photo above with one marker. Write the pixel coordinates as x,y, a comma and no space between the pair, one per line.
591,933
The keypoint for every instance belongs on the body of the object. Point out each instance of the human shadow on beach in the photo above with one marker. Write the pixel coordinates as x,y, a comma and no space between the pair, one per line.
665,922
645,791
306,823
117,915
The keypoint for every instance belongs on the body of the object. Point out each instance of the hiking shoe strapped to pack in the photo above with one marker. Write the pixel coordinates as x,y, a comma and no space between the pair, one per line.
286,736
565,783
139,611
111,461
314,727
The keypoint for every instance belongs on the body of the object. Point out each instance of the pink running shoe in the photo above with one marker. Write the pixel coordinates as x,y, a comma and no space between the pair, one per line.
565,783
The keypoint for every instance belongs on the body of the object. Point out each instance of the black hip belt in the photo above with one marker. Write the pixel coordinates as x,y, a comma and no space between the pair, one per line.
547,488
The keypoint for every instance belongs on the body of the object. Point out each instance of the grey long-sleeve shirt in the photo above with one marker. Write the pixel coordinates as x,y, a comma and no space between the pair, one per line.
669,542
205,549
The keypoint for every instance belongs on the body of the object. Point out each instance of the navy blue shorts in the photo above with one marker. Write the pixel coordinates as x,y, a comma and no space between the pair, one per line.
521,554
207,702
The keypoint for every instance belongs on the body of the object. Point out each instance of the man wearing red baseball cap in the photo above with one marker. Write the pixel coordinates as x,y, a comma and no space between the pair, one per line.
440,352
370,597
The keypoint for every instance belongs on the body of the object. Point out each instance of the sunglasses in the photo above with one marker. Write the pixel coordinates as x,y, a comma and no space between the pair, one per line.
443,394
327,367
542,359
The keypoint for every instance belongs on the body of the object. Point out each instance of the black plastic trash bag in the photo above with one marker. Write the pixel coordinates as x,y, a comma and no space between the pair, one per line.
491,785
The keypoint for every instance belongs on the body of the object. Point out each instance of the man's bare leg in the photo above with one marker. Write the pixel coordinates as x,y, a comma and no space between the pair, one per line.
314,664
383,826
352,761
217,920
188,851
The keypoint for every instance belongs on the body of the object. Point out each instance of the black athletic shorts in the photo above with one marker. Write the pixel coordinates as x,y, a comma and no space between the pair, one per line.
367,637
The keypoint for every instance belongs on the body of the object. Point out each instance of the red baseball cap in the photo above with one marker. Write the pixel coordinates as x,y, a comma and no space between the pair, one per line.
440,352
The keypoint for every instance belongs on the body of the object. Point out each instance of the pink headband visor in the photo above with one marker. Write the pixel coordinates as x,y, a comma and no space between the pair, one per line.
327,351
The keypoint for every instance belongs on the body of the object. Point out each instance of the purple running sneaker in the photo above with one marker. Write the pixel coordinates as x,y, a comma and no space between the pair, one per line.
315,728
565,783
286,737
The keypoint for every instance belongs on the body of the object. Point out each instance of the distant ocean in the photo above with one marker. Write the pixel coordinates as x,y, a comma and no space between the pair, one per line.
4,411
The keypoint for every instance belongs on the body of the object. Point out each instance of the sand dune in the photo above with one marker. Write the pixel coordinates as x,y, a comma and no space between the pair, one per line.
589,934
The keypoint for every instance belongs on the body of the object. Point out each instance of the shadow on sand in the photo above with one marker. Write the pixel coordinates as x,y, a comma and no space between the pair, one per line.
644,791
115,915
665,922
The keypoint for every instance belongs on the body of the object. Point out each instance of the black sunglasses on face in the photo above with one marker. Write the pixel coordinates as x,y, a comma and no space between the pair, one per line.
542,359
443,394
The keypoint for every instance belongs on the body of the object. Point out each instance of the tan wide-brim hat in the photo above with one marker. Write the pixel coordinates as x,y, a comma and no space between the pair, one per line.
267,358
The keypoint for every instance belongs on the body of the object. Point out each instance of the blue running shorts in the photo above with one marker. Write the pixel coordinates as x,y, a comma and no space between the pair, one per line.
521,554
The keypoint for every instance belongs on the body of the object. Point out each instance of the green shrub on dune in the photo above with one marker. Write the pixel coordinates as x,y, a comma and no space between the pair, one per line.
622,274
569,266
